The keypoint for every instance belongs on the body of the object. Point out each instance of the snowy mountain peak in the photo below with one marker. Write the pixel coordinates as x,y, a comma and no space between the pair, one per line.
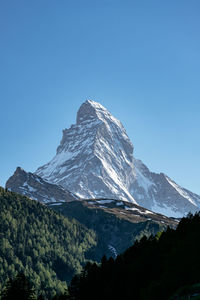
95,160
91,111
90,155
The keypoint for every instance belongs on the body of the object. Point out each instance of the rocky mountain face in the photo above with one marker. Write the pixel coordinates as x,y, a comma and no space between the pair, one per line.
36,188
161,194
95,160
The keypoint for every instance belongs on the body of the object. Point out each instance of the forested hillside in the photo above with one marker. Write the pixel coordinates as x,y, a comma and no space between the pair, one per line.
49,249
44,245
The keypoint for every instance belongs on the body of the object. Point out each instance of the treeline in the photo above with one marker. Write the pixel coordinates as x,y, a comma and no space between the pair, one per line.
166,266
45,246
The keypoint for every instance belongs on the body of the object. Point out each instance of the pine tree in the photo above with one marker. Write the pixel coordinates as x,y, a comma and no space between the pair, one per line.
18,289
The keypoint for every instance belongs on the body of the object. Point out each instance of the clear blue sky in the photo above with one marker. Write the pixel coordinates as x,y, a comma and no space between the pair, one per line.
140,59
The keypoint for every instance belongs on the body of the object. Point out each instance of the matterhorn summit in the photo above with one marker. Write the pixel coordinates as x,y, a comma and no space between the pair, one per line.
95,160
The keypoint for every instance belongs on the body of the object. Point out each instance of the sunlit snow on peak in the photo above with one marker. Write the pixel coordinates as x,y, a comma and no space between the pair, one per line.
95,160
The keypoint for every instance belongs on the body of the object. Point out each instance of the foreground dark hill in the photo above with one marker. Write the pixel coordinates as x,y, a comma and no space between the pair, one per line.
165,267
46,246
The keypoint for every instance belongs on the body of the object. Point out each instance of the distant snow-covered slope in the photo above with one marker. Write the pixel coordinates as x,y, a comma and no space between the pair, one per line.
95,159
161,194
